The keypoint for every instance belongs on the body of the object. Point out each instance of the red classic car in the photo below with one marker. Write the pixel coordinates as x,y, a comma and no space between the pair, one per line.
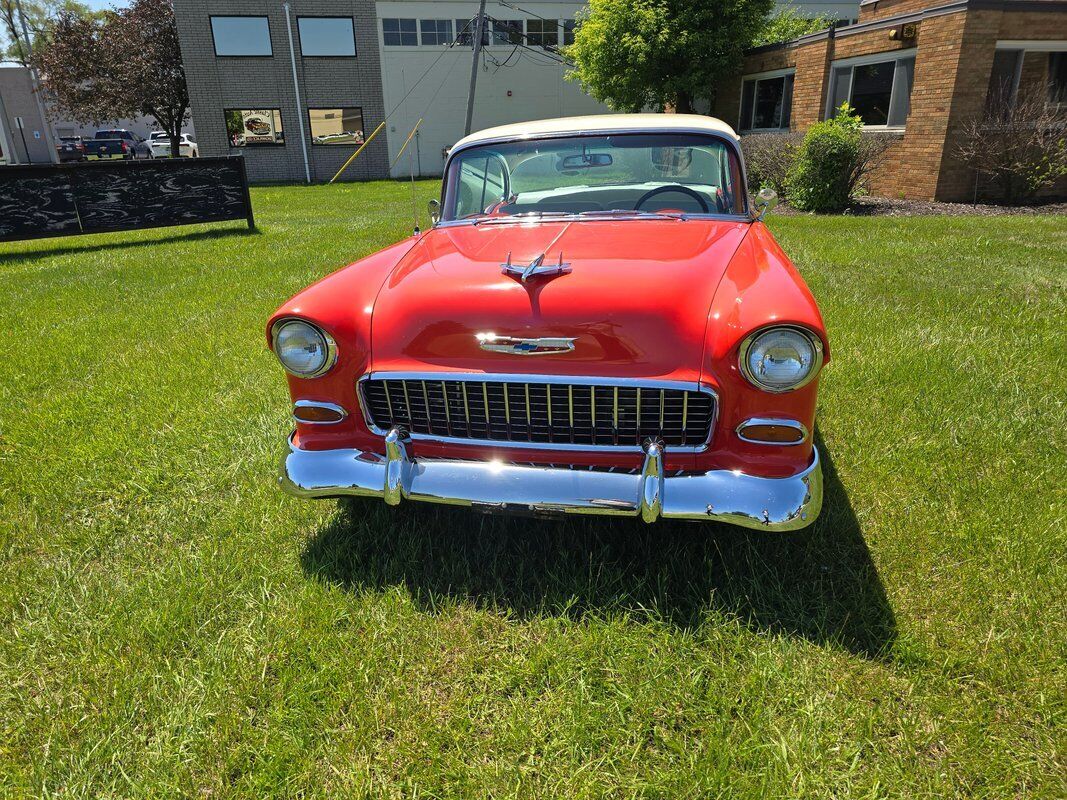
597,323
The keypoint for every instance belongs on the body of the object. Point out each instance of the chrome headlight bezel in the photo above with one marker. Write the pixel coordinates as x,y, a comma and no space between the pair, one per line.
752,338
329,345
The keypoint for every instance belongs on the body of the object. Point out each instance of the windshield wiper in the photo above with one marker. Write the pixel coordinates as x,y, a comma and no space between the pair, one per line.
629,212
520,216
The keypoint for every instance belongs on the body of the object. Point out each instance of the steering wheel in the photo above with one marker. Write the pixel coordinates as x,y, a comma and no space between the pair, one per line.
674,187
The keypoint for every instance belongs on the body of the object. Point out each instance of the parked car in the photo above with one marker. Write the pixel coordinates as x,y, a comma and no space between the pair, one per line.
116,143
598,322
70,148
159,141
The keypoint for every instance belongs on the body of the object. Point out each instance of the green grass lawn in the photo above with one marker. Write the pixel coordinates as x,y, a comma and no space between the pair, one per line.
172,624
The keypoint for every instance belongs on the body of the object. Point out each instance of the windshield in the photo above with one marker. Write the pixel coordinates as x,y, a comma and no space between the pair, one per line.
622,174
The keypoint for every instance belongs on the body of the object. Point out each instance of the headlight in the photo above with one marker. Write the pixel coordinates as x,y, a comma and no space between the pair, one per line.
303,349
781,359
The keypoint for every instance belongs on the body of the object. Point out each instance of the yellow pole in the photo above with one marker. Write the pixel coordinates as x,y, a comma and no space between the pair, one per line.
406,142
360,150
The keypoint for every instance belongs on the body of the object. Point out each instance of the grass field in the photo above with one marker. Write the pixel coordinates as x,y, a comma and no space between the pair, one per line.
172,624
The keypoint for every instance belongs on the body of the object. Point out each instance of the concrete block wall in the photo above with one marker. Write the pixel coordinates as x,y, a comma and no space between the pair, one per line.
218,83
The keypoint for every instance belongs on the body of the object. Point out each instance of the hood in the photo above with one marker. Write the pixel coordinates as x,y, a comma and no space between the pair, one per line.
635,301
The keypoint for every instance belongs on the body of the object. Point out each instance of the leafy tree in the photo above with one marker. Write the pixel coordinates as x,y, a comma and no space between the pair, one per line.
635,54
39,16
122,64
787,24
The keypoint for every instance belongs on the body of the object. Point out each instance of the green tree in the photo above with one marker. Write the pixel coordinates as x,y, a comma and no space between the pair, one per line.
636,54
39,15
124,64
786,24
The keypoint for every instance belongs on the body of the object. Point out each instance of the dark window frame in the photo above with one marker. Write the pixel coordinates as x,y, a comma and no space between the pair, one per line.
400,32
513,29
894,57
311,130
215,43
536,38
567,29
255,145
788,87
300,40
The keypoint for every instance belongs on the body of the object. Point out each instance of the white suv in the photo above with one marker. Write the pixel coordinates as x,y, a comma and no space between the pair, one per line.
160,144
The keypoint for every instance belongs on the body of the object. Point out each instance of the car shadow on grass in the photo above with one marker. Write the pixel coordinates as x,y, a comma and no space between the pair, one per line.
819,584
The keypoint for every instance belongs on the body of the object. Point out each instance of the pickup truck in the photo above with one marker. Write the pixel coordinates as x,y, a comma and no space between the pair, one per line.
114,143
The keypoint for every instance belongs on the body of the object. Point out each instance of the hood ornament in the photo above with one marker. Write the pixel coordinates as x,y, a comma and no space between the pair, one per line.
534,268
524,347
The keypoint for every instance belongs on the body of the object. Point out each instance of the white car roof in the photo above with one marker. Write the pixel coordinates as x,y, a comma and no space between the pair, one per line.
635,123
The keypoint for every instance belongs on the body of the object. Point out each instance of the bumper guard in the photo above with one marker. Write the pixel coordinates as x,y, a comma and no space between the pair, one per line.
775,504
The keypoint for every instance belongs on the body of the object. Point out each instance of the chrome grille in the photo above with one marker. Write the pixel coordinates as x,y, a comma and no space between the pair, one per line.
601,414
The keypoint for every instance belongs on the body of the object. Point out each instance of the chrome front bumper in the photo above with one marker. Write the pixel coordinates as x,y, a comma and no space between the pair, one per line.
776,504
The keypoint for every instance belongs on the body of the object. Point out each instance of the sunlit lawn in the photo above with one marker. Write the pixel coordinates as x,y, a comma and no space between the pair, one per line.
172,624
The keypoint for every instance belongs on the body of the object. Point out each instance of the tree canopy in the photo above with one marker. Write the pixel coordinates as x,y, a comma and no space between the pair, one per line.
123,64
636,54
39,17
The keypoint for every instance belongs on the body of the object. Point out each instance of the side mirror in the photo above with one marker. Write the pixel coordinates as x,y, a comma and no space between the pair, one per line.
765,200
434,207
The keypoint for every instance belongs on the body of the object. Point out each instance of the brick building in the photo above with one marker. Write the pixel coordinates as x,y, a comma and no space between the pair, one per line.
915,69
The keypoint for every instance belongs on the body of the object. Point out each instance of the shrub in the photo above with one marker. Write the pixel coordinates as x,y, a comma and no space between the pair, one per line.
768,159
833,160
1019,142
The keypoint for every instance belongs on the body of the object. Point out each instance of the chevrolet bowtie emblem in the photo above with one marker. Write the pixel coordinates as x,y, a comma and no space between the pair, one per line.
535,268
524,347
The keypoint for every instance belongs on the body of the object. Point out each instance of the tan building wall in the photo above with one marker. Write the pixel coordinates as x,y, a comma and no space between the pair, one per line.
954,43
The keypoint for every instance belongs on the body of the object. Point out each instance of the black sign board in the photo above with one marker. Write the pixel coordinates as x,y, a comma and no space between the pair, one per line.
92,197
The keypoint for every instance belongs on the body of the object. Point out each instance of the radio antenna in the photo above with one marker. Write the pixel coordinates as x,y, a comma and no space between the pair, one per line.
414,204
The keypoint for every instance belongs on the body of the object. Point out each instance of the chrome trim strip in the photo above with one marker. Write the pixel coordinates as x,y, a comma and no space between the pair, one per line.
501,444
319,404
766,504
331,346
742,357
781,422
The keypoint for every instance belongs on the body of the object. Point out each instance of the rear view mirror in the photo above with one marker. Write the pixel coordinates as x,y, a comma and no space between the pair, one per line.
766,199
434,207
584,161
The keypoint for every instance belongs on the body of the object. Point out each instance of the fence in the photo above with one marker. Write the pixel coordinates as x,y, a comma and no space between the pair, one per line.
68,199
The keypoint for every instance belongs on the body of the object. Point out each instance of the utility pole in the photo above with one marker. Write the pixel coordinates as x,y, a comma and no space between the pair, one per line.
53,156
479,27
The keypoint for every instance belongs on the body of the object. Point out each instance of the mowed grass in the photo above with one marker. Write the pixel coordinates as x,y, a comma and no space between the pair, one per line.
173,625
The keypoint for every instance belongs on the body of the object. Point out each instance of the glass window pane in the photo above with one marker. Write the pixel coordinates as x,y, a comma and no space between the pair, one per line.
787,102
241,36
568,31
399,32
768,103
326,36
436,31
748,93
905,74
254,127
872,88
507,31
336,126
839,89
542,32
1057,78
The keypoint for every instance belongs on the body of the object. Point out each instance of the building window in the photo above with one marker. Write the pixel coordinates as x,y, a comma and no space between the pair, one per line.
241,36
334,126
436,31
766,102
254,127
507,31
879,89
542,32
1057,79
568,31
326,36
399,32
